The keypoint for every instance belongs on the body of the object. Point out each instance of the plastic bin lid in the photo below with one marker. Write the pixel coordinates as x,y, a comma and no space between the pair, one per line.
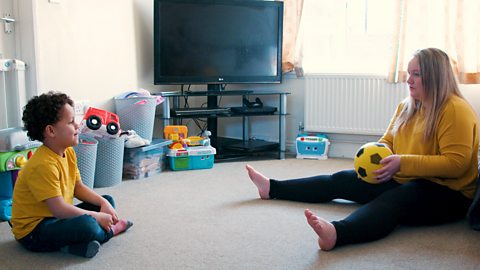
156,143
193,151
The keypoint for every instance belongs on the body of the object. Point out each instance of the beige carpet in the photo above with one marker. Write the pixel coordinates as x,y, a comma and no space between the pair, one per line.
213,219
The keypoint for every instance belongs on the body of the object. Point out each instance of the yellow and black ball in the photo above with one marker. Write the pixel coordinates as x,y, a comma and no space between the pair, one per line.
368,159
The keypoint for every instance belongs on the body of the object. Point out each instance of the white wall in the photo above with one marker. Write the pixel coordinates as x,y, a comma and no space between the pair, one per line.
86,48
94,50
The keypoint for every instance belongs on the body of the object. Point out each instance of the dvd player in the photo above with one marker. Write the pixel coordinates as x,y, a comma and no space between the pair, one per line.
199,111
218,92
254,110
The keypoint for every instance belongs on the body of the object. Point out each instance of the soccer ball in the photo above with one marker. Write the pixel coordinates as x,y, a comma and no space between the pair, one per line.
368,159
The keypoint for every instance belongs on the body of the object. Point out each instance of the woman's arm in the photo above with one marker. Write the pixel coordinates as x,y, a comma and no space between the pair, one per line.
455,140
387,137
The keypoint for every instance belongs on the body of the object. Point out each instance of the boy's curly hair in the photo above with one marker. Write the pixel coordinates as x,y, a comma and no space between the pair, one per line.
41,111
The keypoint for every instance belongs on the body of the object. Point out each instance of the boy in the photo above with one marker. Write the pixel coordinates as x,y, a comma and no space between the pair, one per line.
43,215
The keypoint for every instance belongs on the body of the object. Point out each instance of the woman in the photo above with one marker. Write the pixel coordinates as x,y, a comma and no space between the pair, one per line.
430,179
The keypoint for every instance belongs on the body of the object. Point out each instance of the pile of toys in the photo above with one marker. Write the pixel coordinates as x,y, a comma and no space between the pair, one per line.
188,152
101,124
15,150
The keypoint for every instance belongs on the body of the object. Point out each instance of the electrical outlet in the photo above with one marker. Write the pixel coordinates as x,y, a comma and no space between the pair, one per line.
80,107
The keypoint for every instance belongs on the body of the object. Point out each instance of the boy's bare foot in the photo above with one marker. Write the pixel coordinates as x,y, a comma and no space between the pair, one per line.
327,235
261,181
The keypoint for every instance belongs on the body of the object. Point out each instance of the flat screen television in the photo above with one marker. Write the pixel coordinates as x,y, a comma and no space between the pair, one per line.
217,42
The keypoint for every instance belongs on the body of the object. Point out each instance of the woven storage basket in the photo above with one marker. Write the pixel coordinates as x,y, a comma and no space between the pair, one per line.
137,113
86,152
108,171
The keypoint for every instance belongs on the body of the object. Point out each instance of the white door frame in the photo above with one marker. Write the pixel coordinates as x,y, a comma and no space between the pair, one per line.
17,42
26,43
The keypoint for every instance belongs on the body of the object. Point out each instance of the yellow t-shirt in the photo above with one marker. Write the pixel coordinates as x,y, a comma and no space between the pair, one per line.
46,175
449,158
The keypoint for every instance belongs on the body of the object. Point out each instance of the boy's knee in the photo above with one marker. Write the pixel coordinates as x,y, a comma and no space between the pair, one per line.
87,227
109,199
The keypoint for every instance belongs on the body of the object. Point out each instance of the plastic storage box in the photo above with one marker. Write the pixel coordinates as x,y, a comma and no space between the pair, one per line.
193,158
145,161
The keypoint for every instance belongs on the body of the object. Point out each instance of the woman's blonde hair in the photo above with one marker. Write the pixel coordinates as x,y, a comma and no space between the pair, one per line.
439,84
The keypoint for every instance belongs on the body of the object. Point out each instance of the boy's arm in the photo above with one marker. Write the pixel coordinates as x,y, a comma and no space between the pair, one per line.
85,194
61,209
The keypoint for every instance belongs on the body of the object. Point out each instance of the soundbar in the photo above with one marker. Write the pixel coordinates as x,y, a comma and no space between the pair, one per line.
199,111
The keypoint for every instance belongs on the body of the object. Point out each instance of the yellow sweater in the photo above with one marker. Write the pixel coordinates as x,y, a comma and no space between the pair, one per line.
449,158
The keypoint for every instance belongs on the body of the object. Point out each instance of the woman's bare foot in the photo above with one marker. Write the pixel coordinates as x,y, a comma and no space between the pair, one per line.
327,235
261,181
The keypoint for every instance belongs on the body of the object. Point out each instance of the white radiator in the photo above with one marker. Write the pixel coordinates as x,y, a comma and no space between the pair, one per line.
13,96
350,104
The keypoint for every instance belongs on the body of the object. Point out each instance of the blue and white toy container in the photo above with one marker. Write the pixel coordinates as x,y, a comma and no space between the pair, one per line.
192,158
312,146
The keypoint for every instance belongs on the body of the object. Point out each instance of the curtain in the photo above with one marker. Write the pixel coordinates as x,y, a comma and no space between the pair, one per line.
291,22
450,25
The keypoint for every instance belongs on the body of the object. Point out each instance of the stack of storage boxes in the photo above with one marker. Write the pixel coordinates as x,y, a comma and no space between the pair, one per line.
145,161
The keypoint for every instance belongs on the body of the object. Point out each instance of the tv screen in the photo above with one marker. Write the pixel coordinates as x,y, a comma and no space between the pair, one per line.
217,41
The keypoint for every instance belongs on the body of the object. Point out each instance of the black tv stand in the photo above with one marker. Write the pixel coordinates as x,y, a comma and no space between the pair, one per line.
212,123
220,92
227,147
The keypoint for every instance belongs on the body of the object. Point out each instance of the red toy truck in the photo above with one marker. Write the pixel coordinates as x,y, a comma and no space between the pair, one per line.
100,123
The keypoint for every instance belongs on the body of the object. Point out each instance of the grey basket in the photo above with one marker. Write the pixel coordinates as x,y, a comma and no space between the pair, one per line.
86,152
108,171
137,113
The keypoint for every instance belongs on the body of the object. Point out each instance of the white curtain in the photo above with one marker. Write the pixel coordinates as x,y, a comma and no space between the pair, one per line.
450,25
292,13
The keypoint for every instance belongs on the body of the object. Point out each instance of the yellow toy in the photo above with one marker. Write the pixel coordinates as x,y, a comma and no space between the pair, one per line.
368,159
194,140
177,134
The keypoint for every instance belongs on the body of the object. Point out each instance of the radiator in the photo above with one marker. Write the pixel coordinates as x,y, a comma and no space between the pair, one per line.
350,104
13,96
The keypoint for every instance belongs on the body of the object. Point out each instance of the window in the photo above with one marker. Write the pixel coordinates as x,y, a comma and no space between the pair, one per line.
347,36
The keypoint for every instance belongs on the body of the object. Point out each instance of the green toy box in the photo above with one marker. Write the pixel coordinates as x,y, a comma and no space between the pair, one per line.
192,158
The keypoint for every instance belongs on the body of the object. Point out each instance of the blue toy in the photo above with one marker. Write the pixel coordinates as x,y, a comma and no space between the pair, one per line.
312,146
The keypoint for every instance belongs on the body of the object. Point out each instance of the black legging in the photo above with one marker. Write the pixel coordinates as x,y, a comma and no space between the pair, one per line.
385,205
